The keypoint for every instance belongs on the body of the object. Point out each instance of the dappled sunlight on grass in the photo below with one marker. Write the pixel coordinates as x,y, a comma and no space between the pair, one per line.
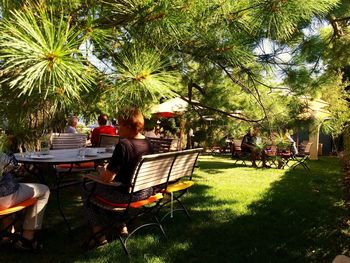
239,214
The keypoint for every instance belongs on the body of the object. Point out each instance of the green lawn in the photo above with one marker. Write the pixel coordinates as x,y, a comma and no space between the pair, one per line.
239,214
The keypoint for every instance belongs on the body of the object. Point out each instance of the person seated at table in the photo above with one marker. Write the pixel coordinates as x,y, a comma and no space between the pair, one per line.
249,145
72,125
130,148
103,128
34,214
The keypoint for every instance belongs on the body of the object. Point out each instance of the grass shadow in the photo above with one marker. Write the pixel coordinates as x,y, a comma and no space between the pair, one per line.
298,217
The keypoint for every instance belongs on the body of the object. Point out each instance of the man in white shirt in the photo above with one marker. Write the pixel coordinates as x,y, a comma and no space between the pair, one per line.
72,125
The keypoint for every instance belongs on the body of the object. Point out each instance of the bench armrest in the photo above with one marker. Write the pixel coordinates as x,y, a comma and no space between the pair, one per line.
96,179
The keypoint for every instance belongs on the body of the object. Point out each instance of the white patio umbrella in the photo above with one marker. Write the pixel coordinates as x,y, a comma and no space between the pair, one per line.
170,108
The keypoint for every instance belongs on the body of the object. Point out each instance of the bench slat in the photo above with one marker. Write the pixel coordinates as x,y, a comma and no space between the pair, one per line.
183,166
153,173
67,140
154,169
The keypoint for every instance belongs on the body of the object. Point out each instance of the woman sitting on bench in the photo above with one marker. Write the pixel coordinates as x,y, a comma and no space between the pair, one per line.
130,148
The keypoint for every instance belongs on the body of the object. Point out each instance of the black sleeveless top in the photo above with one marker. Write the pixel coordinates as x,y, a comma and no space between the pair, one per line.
125,157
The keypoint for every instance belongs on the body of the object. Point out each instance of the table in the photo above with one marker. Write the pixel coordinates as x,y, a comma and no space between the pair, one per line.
63,156
282,159
55,157
285,157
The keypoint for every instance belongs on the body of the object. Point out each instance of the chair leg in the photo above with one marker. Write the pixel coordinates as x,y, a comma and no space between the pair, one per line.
160,226
183,208
305,166
157,223
124,245
301,162
172,210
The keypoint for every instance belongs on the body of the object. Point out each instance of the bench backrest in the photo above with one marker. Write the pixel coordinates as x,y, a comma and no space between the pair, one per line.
107,140
157,169
67,140
184,164
160,145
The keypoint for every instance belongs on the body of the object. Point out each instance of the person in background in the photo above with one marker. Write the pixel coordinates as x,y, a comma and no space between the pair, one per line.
127,152
157,133
150,132
102,129
72,125
249,145
115,125
293,145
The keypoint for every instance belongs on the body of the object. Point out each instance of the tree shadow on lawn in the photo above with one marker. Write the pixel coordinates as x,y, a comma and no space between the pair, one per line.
299,219
214,165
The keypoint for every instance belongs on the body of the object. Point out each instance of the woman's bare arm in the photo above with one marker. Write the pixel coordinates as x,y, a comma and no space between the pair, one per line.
105,174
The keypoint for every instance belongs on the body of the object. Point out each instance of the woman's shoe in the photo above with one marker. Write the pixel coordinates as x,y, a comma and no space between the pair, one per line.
22,243
124,231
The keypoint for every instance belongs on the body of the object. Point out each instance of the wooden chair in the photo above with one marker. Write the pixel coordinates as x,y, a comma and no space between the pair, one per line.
271,155
301,157
70,141
238,154
160,145
67,140
108,140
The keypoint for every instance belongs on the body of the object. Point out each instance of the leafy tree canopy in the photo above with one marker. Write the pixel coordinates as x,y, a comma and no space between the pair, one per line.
84,56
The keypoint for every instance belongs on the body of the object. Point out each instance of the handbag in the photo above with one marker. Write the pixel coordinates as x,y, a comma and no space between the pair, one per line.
8,184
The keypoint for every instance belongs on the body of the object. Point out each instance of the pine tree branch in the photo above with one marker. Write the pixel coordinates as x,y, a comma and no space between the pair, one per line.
342,19
243,86
337,29
247,8
197,105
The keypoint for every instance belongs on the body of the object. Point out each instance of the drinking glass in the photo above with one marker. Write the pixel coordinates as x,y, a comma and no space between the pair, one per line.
81,152
29,151
44,148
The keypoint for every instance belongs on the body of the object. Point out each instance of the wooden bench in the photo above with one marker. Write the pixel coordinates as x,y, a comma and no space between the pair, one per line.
159,171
